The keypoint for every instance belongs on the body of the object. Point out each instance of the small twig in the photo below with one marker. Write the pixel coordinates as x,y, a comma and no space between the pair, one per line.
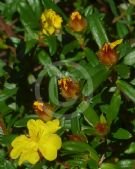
101,160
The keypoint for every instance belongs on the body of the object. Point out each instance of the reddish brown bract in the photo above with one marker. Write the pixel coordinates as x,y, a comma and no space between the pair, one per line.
69,88
107,55
77,23
43,110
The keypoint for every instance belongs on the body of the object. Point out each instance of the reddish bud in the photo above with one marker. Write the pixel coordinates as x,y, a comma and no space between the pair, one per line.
69,88
101,128
77,23
107,54
43,110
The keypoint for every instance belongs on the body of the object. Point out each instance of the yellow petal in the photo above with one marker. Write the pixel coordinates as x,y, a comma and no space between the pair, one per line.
51,139
36,128
57,21
53,126
15,152
116,43
18,144
55,140
50,30
48,151
44,32
30,156
19,140
49,145
21,144
32,127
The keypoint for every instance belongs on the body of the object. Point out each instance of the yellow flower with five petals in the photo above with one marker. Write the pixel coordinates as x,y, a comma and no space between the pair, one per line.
41,140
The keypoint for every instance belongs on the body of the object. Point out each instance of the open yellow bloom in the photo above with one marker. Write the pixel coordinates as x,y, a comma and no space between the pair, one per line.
50,22
107,54
41,139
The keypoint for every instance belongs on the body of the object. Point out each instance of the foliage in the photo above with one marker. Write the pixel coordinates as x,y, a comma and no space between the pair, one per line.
97,125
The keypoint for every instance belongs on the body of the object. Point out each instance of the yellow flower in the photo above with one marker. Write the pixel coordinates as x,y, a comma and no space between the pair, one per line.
50,22
43,110
41,140
69,88
77,23
107,54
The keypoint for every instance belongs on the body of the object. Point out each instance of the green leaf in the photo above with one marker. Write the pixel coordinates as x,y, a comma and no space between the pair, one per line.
9,8
114,107
124,49
100,75
121,29
127,89
39,165
97,29
31,38
4,108
75,123
70,47
23,122
43,57
95,77
108,166
36,7
91,57
93,164
51,41
6,93
81,163
126,164
122,134
131,148
113,7
7,139
53,91
129,59
91,116
2,154
123,71
6,164
80,147
28,14
2,64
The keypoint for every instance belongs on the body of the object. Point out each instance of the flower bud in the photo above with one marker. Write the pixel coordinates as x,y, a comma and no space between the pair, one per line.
77,23
74,137
69,88
43,110
107,54
102,128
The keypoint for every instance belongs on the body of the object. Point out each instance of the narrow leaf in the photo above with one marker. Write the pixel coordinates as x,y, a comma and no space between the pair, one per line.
114,107
90,116
130,58
97,29
127,89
